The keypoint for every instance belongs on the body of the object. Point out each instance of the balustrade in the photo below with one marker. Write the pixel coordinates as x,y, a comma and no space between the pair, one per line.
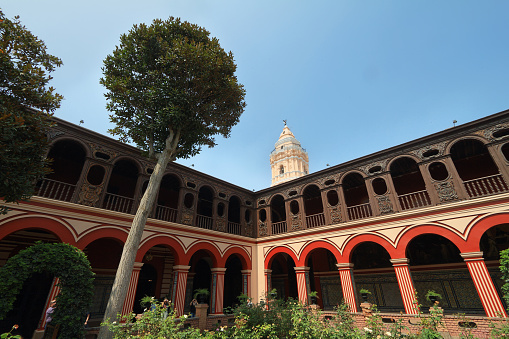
414,200
204,222
486,186
359,211
315,220
118,203
279,227
233,228
166,213
57,190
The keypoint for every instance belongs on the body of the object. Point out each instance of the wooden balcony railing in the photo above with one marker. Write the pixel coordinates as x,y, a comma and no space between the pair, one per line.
233,228
359,211
118,203
204,222
166,213
279,227
53,189
414,200
315,220
486,186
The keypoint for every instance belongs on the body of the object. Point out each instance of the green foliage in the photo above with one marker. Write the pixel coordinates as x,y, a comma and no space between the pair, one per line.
171,78
9,334
364,291
26,104
67,263
504,268
201,291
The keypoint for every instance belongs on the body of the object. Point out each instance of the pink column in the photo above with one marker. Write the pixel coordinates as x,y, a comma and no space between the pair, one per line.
179,288
302,274
131,292
347,285
53,292
268,281
406,284
217,295
484,285
246,282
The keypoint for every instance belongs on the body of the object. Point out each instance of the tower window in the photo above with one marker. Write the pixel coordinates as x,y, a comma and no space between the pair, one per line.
281,170
281,147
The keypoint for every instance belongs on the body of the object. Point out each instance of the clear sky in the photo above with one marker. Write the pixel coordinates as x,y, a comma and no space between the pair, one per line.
351,77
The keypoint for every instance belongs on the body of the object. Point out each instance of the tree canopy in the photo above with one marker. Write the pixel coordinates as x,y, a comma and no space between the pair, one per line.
26,104
171,77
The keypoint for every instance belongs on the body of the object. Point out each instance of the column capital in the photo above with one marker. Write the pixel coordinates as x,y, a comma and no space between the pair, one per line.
267,271
301,269
245,271
218,270
344,266
138,265
472,256
181,268
400,262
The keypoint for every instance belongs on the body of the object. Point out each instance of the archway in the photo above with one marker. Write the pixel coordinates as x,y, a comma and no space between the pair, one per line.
324,278
283,277
232,281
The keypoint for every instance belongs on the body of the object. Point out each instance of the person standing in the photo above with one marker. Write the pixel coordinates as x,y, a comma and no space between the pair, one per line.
49,312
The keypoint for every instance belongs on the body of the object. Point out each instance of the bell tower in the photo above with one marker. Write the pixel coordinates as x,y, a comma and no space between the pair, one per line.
288,160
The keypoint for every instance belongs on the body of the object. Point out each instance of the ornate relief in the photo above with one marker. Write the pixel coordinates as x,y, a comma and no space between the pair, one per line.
187,217
262,229
298,189
446,191
335,214
220,225
382,163
296,222
440,147
248,230
384,204
488,133
262,199
98,148
52,134
89,195
323,180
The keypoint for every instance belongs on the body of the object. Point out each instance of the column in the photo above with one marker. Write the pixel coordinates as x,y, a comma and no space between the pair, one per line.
131,291
499,160
268,280
347,285
406,284
179,288
217,290
302,274
246,282
53,292
484,285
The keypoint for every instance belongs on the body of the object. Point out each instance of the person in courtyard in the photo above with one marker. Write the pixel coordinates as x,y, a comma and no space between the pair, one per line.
49,312
193,308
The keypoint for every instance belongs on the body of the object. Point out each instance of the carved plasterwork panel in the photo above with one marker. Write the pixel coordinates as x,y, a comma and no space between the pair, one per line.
446,191
262,229
98,148
440,147
248,230
89,194
295,188
296,222
335,214
262,199
187,216
52,134
220,225
384,204
488,133
382,163
323,180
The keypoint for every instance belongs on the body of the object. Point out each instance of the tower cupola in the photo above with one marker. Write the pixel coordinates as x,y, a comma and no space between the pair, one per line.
288,160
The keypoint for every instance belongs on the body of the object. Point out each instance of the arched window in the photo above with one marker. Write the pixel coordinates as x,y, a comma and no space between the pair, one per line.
281,170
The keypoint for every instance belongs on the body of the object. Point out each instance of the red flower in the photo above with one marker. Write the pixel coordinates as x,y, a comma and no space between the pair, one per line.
15,327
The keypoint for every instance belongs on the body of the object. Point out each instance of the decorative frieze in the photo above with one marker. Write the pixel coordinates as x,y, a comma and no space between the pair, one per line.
335,213
220,225
440,148
382,164
262,229
446,191
89,194
488,133
295,222
384,204
187,217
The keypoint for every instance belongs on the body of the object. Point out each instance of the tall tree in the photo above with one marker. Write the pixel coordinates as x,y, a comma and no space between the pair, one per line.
171,89
26,104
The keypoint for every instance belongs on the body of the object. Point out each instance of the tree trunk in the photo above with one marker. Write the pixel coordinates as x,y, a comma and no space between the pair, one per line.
125,267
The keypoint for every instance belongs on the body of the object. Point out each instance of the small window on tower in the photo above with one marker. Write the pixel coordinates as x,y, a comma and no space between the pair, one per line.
281,170
281,147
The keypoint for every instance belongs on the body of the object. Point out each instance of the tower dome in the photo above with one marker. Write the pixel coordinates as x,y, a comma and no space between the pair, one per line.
288,160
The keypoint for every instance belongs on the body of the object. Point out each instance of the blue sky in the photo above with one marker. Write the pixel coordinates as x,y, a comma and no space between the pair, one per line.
351,77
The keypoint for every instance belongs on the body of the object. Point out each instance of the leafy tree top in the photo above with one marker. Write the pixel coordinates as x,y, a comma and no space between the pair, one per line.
171,78
26,104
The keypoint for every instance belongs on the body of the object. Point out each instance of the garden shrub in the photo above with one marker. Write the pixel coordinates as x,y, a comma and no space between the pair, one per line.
64,261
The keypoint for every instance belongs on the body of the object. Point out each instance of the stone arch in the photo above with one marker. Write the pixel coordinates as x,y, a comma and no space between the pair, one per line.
102,232
65,262
60,229
343,175
358,239
411,156
165,240
86,148
451,143
477,229
241,253
316,245
208,247
408,235
279,249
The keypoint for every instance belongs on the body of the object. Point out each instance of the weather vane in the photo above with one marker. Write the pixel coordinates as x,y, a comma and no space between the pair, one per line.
284,122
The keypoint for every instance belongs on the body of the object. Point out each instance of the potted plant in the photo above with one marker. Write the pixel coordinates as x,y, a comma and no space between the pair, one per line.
201,295
433,296
364,294
313,295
